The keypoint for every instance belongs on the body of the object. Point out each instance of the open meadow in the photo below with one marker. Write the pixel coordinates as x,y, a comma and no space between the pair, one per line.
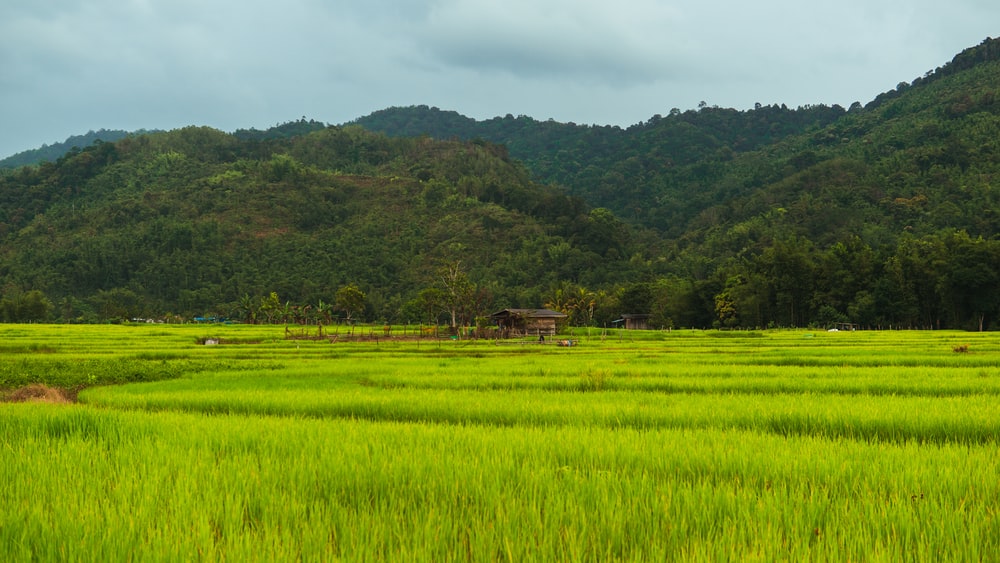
637,446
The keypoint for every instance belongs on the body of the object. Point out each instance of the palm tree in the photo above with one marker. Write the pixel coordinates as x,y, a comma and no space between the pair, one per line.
247,309
286,311
559,300
583,303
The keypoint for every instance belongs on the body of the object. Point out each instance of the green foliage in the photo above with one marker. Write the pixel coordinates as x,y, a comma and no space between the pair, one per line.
31,306
350,299
72,145
884,215
281,131
192,221
792,216
654,173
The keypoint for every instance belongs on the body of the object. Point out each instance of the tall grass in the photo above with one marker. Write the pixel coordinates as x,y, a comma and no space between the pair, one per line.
784,445
966,419
90,484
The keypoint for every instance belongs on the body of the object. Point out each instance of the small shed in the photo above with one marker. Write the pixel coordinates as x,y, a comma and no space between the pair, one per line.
540,322
634,322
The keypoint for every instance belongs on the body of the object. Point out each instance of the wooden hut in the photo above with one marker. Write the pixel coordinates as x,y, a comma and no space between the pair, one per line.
634,322
532,322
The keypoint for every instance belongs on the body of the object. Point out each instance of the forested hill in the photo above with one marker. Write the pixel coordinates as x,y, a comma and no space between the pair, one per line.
196,221
613,167
882,215
666,172
885,214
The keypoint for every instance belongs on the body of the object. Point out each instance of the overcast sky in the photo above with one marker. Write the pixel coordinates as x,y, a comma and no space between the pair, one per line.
69,66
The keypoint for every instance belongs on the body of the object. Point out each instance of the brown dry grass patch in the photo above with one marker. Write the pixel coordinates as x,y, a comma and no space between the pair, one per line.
36,392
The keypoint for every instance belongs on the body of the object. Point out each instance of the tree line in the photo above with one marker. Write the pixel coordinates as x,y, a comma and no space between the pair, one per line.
933,282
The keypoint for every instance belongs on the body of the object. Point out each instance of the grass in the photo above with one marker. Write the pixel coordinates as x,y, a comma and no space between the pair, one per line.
784,445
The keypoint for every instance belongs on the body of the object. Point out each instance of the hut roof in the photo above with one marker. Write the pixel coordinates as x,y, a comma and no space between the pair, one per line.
528,314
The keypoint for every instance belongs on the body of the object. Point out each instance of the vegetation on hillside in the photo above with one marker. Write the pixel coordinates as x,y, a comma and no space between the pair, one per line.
55,151
198,222
789,217
880,215
621,169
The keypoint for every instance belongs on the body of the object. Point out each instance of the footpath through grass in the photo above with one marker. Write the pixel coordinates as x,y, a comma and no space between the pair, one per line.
635,446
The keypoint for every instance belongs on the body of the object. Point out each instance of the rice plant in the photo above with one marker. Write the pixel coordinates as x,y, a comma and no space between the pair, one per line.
782,445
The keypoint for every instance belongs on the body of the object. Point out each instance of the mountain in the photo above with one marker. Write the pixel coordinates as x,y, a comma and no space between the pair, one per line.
665,173
53,152
788,217
643,173
882,215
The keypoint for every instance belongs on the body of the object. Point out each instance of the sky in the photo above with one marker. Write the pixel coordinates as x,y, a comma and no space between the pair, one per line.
71,66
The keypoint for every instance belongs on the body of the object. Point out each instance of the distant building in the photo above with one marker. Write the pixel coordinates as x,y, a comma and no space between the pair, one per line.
533,322
633,322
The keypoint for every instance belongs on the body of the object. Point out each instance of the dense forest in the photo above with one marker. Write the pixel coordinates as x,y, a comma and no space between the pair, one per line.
54,151
884,215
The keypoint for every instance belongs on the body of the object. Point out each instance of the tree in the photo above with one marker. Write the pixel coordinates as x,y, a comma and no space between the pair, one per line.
604,234
787,265
324,311
246,308
350,299
583,303
969,280
31,306
286,311
605,308
118,304
459,292
725,309
636,298
270,306
426,307
560,300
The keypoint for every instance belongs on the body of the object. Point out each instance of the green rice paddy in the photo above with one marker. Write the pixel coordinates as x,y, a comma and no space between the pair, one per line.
651,446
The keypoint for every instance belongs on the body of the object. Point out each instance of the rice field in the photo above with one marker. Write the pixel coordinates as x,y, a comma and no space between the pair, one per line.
784,445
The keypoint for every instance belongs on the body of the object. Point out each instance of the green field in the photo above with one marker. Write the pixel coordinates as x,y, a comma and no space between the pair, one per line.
652,446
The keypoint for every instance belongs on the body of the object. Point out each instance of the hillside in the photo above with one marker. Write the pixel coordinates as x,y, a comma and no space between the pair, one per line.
642,173
53,152
667,172
195,220
791,217
882,215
